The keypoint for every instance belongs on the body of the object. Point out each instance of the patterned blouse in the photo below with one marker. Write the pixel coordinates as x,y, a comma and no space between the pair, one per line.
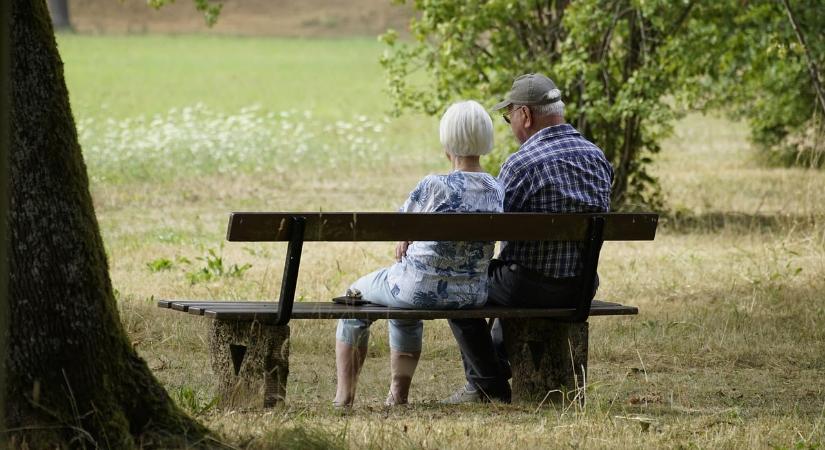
447,274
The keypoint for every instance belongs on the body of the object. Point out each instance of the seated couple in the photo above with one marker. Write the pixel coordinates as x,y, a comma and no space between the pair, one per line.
555,170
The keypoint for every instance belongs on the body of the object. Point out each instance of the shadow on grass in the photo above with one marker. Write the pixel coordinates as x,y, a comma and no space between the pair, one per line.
299,437
714,221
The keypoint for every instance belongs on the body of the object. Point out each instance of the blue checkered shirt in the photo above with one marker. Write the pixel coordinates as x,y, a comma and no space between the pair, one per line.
558,171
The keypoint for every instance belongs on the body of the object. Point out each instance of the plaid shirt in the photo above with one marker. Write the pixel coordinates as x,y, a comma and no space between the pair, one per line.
558,171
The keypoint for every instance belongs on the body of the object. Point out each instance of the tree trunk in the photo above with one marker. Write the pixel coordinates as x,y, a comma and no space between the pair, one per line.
5,106
59,11
73,377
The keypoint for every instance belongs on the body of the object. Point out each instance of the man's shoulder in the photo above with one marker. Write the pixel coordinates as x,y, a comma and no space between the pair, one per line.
565,144
515,161
553,146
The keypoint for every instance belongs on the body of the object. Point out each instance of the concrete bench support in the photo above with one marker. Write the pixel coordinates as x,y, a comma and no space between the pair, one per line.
546,356
251,361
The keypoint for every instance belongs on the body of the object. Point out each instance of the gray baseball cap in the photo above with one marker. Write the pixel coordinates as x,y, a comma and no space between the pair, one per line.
531,89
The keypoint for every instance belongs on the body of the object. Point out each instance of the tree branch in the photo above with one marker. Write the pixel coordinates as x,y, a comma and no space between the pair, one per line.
812,67
681,20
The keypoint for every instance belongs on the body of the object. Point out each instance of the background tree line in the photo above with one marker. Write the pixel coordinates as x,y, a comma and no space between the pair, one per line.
627,70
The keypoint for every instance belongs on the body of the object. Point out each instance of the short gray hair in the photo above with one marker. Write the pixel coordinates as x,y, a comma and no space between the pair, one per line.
551,109
466,129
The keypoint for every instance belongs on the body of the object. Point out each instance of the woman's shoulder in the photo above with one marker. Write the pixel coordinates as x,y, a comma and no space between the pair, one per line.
426,187
484,179
434,181
458,180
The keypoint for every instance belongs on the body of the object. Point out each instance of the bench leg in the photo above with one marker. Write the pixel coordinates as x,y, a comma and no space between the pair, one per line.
251,362
546,357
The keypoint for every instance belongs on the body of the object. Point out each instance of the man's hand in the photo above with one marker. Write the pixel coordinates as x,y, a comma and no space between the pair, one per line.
401,250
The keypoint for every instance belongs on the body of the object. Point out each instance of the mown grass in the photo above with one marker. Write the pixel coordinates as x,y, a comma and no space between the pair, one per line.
727,352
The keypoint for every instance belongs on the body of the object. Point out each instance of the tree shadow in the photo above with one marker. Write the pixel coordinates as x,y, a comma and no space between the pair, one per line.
714,221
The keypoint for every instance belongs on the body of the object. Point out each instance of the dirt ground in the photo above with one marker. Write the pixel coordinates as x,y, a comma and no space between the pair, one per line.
293,18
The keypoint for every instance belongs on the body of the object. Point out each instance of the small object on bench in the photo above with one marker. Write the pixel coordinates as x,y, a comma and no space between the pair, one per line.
547,347
353,298
351,301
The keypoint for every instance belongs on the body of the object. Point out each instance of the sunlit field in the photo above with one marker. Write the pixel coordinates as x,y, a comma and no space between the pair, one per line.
728,350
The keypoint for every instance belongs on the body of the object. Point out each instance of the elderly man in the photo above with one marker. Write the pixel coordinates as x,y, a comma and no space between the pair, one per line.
555,170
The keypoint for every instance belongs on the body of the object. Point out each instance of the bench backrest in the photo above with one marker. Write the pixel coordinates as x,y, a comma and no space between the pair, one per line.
296,228
349,226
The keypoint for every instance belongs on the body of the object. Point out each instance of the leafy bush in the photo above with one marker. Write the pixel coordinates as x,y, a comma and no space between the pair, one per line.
626,69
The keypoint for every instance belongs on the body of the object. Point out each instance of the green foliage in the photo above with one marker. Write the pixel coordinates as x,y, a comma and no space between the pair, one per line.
159,265
210,10
626,68
608,58
755,67
193,402
214,268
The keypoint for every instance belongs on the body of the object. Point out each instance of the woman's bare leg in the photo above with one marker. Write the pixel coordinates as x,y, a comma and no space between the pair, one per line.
348,362
402,368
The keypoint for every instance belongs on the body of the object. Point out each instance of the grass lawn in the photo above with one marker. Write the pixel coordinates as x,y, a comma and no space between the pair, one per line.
727,352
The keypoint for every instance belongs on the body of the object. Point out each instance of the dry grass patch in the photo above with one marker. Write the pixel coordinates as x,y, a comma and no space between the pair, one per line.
727,351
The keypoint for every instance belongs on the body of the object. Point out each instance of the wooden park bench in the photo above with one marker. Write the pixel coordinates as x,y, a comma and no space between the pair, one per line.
547,347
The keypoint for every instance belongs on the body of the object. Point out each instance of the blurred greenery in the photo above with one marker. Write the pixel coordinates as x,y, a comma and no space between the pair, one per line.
172,107
152,74
627,69
754,67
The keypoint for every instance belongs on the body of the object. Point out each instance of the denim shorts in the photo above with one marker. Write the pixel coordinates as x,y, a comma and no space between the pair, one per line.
405,335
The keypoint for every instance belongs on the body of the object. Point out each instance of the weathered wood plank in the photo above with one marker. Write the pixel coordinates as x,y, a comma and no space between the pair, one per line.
350,226
266,311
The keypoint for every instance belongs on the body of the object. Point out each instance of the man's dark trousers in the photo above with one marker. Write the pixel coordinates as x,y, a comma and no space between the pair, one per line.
482,347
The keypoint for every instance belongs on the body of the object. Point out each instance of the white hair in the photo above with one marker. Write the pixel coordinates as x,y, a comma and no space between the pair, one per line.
551,109
466,129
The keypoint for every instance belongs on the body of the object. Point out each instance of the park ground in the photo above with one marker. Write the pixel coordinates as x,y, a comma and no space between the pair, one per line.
728,350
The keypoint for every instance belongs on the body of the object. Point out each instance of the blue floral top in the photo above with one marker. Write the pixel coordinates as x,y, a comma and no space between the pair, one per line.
447,274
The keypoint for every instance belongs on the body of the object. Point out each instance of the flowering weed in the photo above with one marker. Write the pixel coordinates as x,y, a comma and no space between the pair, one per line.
195,141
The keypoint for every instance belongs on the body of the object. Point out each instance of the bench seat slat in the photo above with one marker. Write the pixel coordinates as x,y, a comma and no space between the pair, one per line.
266,311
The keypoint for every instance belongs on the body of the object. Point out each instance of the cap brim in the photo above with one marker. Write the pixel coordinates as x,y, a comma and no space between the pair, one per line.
502,105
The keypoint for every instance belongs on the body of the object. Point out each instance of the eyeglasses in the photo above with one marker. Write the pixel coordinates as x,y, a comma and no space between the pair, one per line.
506,115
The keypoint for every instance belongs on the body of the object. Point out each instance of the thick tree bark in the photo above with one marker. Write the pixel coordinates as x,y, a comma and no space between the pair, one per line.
73,377
5,106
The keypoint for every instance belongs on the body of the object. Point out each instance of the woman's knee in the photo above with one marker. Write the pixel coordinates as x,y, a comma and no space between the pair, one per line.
355,332
406,335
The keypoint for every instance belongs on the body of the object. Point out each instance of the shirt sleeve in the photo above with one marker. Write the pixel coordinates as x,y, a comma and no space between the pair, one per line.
420,198
515,182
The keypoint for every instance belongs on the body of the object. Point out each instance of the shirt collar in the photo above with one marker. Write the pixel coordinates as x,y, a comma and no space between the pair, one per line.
553,132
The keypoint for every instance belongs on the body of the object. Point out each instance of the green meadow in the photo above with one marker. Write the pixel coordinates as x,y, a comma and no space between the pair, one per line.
728,350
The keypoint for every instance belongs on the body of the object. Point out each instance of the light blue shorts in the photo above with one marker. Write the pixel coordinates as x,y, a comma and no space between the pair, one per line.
405,335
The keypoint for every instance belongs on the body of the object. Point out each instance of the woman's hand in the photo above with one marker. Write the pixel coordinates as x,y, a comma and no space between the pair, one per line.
401,250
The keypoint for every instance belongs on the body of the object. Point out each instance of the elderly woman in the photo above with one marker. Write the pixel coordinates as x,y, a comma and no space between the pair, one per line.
438,275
